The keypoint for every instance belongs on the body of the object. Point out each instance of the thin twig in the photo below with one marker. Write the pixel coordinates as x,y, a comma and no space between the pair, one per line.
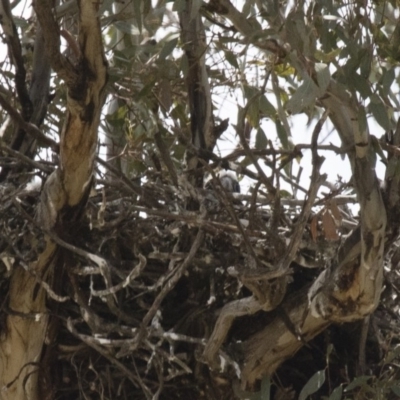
315,183
169,285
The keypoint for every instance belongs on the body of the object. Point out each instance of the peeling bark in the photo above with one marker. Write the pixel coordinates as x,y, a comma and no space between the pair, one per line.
64,190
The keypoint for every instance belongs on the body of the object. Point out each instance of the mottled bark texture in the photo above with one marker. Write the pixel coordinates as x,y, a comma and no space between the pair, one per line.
62,197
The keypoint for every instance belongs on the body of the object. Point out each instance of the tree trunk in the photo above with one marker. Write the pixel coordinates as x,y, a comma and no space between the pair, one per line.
62,198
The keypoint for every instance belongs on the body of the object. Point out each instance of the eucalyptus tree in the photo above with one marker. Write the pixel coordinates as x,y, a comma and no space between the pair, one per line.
146,281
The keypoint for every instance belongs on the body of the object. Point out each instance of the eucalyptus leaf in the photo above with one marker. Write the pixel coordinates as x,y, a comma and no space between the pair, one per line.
127,27
137,6
304,96
379,112
231,58
168,49
360,84
266,107
261,140
337,393
396,389
282,135
387,80
313,385
357,382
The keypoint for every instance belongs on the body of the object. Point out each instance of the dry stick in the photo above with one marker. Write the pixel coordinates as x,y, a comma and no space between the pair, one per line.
240,130
26,126
253,201
91,343
131,185
165,154
282,152
312,194
15,50
25,159
166,289
102,263
121,285
281,111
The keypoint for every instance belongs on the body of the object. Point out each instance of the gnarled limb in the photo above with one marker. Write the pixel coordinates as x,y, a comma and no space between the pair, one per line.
349,290
273,283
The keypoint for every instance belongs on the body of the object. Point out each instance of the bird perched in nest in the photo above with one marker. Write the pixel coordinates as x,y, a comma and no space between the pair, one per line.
228,182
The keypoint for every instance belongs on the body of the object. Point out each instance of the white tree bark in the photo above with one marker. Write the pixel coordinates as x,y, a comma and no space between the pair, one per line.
62,197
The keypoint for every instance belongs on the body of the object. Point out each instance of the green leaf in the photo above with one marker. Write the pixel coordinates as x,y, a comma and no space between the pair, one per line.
120,56
365,65
137,7
284,194
281,132
146,90
127,27
253,113
379,112
284,70
392,354
20,22
231,58
266,107
168,48
357,382
337,393
246,162
265,393
250,91
261,139
396,390
304,96
327,57
360,84
387,80
313,385
377,149
179,114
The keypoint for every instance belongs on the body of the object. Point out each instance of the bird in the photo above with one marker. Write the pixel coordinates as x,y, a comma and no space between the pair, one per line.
228,181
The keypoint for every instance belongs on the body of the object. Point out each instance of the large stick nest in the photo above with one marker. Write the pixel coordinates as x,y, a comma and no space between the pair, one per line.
137,284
